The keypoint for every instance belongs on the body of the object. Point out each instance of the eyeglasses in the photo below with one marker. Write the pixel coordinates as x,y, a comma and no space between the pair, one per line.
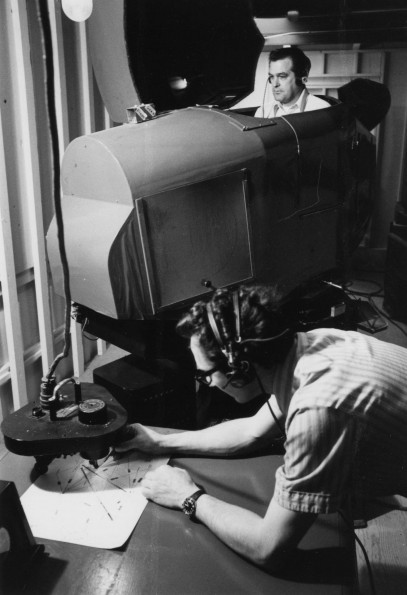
205,376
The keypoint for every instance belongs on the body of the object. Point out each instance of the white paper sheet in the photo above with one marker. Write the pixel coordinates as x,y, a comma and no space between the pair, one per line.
76,503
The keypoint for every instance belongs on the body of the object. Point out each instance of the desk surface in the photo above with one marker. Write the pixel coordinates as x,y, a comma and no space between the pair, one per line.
169,555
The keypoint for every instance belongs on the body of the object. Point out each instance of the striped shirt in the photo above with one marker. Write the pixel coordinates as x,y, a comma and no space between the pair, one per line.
344,398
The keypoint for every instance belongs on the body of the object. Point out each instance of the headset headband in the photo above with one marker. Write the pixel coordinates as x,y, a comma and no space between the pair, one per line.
214,326
227,348
236,310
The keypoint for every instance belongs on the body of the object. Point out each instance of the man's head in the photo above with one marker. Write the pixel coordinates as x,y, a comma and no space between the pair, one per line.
288,73
233,334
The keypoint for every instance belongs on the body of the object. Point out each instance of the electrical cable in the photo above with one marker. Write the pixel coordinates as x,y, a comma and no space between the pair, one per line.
295,134
370,295
85,334
46,44
364,552
280,427
263,105
383,313
266,339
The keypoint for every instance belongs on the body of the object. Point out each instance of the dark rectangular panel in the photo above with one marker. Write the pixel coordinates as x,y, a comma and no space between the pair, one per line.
195,232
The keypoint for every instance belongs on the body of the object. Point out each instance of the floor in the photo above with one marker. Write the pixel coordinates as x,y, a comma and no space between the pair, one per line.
385,536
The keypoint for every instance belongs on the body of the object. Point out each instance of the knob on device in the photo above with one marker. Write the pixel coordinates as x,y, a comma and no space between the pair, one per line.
92,411
88,425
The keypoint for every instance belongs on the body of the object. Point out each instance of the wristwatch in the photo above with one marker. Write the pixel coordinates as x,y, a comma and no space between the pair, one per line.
189,504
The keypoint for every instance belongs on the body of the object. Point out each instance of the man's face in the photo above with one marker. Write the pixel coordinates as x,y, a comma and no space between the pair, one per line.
282,78
219,379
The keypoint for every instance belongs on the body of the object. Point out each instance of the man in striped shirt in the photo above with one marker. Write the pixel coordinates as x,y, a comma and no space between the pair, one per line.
339,397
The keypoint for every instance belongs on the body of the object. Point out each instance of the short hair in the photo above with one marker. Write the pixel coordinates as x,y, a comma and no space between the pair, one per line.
301,62
262,316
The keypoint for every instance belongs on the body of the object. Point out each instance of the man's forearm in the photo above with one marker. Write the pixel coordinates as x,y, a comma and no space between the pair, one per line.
239,528
234,437
265,541
228,438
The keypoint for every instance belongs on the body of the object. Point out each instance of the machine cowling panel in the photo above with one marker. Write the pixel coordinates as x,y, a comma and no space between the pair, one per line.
200,231
128,194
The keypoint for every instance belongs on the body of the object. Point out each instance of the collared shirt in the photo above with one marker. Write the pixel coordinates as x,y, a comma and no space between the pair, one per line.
344,397
305,103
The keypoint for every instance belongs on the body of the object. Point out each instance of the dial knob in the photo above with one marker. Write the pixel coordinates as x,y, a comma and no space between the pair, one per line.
92,411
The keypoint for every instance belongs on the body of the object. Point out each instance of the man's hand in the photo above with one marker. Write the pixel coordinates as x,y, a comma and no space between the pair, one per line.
138,437
168,486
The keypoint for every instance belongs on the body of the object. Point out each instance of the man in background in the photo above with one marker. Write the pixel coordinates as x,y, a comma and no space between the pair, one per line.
288,74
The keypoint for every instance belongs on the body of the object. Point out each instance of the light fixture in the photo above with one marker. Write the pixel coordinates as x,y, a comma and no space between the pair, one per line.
77,10
178,83
293,15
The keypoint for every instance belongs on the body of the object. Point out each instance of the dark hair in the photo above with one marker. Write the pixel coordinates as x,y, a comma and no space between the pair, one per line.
301,62
261,317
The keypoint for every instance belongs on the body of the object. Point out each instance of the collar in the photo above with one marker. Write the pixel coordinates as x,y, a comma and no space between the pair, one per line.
298,105
284,381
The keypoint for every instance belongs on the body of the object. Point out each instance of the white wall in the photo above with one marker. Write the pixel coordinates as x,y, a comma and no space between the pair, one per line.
31,321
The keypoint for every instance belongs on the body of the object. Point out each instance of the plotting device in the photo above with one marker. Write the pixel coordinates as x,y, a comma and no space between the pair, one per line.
81,418
187,192
202,190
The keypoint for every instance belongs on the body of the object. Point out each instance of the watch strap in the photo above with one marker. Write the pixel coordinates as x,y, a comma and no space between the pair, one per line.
189,504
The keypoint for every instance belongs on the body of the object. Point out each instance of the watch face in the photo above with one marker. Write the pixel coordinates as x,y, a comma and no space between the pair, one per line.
189,506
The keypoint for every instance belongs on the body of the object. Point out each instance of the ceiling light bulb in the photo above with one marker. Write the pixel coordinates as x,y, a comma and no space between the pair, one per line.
77,10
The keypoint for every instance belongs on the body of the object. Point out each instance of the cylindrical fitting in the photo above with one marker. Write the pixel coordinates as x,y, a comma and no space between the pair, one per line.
47,390
92,412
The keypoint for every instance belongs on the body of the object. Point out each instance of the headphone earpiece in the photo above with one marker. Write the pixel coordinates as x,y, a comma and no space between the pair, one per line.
240,371
301,81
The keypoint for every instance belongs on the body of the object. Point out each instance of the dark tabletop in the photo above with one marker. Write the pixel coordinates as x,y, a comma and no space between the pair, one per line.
168,554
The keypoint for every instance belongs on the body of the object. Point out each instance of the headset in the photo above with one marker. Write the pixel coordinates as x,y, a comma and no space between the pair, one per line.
240,371
228,336
300,81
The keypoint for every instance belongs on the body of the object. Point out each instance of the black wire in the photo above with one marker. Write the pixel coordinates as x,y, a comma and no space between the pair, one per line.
370,295
280,427
364,552
46,43
84,334
380,311
264,98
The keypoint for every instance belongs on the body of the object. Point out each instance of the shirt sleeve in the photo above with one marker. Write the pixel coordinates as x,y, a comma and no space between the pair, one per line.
318,462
